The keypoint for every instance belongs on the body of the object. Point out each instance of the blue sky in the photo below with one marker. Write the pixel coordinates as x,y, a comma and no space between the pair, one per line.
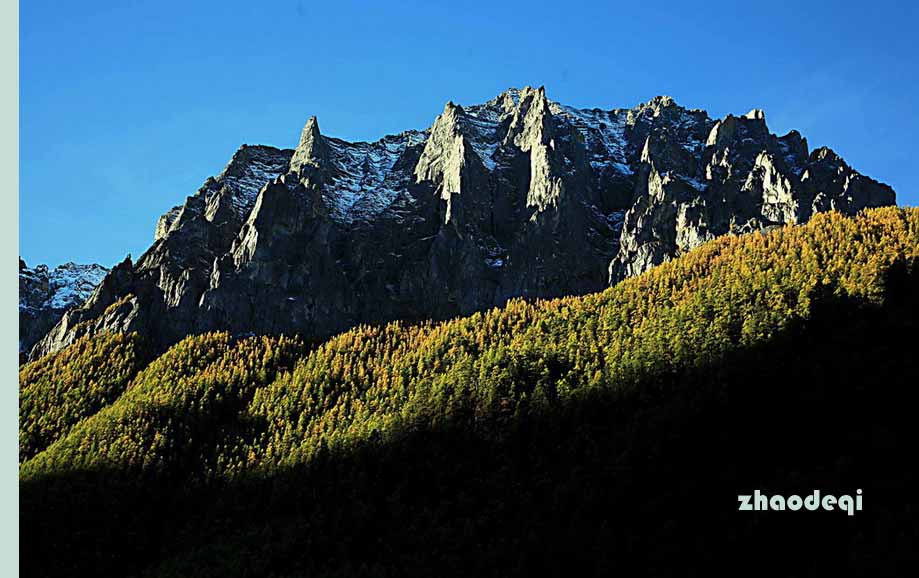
127,107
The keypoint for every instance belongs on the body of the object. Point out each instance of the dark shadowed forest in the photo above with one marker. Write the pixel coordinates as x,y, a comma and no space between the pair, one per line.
597,435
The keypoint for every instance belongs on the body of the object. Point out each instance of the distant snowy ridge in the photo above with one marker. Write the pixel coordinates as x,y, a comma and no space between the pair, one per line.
65,286
45,294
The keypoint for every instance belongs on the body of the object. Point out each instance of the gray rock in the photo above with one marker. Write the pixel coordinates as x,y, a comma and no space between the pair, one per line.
743,179
46,294
519,196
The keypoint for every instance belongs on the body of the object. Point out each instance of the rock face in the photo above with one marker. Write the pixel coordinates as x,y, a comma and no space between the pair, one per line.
697,180
45,294
519,196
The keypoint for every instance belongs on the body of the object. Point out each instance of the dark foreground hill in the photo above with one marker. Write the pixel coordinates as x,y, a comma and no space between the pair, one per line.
599,435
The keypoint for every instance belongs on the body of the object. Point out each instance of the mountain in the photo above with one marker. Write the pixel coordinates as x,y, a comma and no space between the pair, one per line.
517,197
583,436
45,294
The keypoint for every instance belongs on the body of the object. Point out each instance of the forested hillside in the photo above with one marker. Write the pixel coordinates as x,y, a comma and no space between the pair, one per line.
575,436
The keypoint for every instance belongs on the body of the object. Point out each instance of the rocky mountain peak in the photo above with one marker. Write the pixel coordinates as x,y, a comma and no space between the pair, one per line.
722,132
731,128
529,121
311,150
826,154
660,103
795,148
517,196
444,156
507,100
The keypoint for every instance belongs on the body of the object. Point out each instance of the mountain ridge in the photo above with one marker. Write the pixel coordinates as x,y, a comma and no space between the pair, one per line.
46,293
519,196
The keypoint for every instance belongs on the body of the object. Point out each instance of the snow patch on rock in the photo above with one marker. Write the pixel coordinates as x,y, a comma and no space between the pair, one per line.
63,287
603,132
246,177
363,181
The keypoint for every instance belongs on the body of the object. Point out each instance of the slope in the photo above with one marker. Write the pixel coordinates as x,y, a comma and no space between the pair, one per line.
576,435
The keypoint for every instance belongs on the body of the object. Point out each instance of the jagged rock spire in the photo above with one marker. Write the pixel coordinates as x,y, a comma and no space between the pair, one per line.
443,157
722,132
311,149
531,129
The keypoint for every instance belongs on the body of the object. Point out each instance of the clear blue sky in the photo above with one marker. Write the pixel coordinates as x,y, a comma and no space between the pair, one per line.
127,107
